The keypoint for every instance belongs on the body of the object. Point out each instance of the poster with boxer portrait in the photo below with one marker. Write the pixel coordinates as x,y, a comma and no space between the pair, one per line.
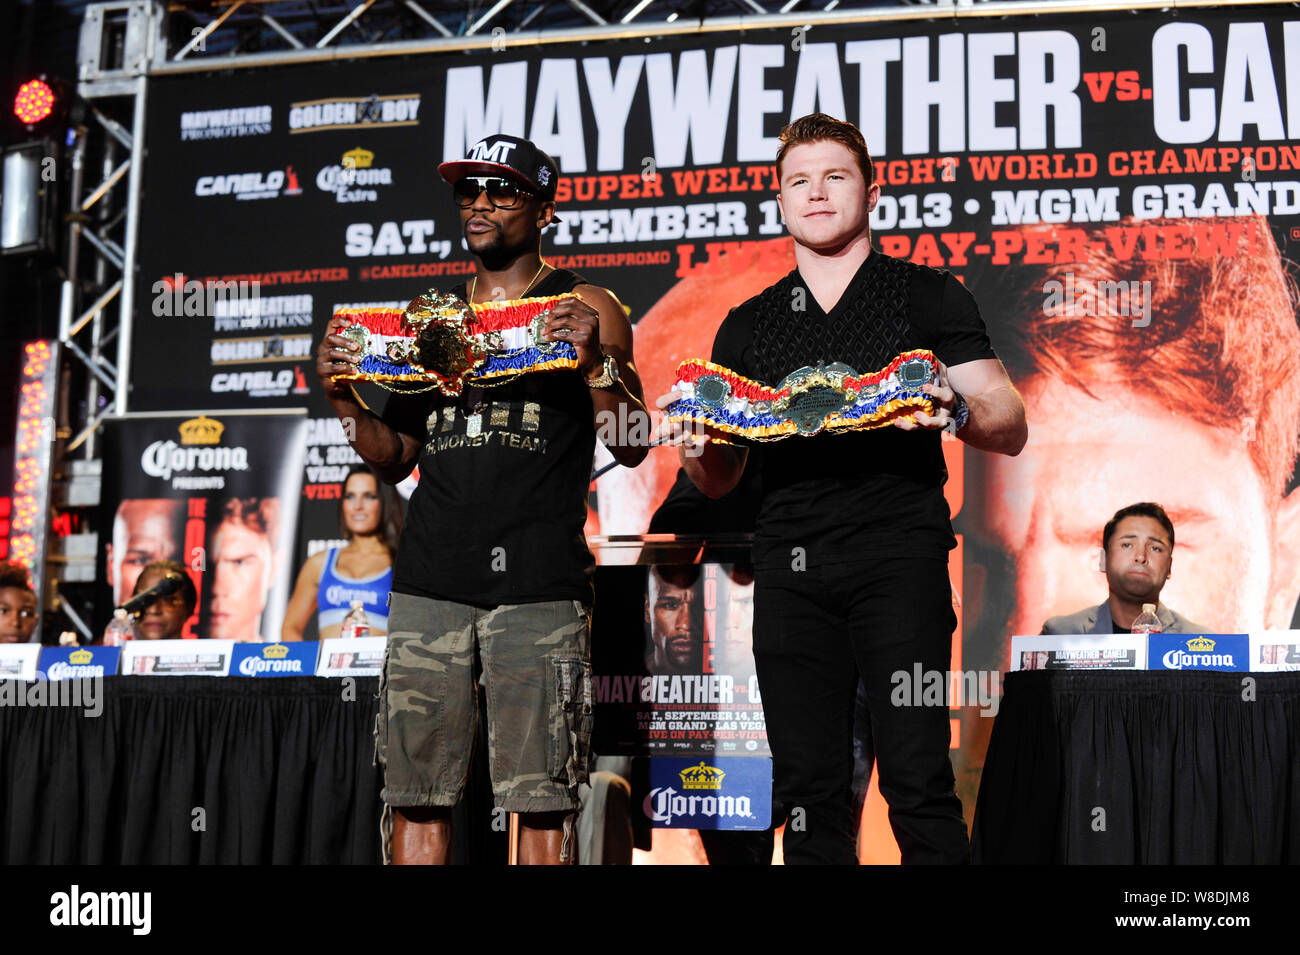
215,492
673,662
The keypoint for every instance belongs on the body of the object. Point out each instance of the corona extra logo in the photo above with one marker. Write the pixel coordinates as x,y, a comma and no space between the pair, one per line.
201,430
1200,645
80,657
358,158
275,651
701,777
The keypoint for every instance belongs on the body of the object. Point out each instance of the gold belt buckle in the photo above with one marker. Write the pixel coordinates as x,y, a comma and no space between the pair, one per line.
816,393
443,347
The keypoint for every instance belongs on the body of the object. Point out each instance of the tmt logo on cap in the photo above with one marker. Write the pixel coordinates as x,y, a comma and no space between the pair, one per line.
509,157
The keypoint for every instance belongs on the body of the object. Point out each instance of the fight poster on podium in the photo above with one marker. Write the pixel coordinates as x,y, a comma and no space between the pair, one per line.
219,494
673,662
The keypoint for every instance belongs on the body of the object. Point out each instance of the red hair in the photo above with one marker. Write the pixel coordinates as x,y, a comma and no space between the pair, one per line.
818,127
1222,320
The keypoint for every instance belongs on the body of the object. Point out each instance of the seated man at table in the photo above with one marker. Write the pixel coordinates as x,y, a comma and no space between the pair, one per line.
1138,547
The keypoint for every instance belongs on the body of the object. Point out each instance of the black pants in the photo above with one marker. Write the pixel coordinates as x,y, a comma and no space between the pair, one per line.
810,629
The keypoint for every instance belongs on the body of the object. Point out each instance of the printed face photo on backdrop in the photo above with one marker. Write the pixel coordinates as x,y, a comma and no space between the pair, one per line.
244,558
673,619
1179,383
732,638
144,530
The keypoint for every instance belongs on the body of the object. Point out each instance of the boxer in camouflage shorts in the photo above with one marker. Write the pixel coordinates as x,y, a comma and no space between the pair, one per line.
493,571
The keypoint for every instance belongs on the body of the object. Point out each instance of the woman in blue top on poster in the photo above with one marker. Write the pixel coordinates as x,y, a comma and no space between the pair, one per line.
370,516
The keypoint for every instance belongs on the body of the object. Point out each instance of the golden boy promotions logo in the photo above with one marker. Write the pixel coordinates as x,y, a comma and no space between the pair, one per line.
201,430
702,777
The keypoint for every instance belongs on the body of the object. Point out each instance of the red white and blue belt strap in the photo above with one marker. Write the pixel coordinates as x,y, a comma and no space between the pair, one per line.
441,341
807,401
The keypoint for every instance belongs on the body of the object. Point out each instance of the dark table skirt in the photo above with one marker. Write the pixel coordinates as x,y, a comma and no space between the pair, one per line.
1154,767
194,770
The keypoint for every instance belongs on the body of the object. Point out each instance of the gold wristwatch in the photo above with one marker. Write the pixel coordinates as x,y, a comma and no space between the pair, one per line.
607,376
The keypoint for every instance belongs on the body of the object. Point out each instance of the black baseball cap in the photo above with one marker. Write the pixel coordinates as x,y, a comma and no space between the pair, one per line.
509,157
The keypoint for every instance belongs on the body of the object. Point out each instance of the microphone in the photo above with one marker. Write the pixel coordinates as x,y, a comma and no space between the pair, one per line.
165,587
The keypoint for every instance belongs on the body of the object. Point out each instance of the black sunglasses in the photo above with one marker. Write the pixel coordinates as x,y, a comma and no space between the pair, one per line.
502,193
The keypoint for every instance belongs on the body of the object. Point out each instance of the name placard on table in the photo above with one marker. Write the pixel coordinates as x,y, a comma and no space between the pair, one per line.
177,657
18,661
1085,651
351,656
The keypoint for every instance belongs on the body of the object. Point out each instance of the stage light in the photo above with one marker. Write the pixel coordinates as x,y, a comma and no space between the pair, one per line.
34,102
27,182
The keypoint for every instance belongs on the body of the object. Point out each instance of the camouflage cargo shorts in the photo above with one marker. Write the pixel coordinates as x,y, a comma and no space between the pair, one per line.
537,666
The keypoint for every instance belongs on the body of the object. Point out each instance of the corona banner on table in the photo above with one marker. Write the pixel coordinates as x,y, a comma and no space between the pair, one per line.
1120,190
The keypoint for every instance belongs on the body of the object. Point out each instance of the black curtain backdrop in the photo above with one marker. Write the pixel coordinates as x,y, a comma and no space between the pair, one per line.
1147,768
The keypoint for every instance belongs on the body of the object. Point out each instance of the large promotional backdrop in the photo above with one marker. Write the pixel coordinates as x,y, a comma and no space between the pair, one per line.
1119,190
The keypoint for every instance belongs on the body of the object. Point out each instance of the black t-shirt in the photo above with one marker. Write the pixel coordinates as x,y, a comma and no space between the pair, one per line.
858,495
498,515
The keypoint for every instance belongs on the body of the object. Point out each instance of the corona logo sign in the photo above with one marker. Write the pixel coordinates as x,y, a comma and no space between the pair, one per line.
275,651
1200,645
358,158
201,430
80,657
701,777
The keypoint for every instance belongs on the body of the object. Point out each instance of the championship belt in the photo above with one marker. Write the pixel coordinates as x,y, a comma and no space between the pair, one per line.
440,341
807,401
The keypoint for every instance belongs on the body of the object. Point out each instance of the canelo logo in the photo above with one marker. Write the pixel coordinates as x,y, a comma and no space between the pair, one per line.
250,185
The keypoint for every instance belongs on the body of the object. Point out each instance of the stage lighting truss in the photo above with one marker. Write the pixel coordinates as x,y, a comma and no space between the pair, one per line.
239,29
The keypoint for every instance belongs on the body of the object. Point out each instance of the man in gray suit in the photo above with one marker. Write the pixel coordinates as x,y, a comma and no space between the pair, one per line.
1138,543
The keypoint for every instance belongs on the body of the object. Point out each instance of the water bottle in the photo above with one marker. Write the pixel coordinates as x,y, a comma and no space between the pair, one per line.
120,629
1147,621
356,623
